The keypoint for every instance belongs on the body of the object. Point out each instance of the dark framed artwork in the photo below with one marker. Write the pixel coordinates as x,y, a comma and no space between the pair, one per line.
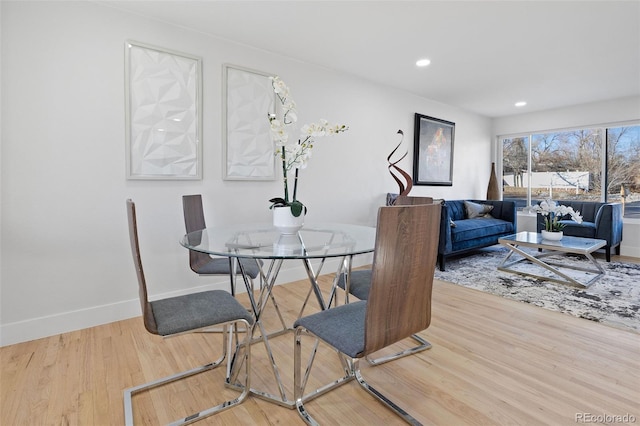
433,151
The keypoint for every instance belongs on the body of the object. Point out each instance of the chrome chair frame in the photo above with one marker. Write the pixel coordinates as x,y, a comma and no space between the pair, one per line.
352,372
245,387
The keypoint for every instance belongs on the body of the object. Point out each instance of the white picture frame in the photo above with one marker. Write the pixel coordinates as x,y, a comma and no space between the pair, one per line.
247,100
163,113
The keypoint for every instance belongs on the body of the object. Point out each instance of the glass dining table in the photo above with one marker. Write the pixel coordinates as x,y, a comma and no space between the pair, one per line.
269,248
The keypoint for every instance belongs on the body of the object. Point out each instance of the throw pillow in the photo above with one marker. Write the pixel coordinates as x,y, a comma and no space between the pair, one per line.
476,210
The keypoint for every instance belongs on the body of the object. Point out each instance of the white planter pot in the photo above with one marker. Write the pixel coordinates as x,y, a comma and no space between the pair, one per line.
286,222
551,236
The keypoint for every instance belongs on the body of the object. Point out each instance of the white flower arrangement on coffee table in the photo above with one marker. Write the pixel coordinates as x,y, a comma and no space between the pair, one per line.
553,213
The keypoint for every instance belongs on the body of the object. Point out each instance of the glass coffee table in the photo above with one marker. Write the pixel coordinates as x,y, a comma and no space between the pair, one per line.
545,249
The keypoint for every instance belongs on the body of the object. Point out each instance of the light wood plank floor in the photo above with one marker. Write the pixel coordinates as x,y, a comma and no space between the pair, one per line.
493,361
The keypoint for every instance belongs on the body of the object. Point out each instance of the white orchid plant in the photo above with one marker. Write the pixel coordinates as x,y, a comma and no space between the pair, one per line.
294,155
553,213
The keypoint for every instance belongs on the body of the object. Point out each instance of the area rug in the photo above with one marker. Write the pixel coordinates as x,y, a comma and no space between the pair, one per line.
613,300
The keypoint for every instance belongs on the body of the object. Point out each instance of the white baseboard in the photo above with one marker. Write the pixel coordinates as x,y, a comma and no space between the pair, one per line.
36,328
630,245
629,250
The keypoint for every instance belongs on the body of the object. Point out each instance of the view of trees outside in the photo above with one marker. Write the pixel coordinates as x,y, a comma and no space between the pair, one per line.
569,165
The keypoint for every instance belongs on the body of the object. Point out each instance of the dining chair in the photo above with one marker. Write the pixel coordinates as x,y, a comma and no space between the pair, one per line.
360,282
398,303
186,314
202,263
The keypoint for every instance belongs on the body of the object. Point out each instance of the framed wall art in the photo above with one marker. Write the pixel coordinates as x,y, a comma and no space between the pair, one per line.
248,99
163,113
433,151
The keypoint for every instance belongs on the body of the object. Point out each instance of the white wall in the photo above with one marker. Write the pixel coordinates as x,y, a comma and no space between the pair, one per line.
64,249
623,111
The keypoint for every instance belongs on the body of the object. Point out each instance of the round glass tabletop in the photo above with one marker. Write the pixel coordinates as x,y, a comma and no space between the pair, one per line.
263,241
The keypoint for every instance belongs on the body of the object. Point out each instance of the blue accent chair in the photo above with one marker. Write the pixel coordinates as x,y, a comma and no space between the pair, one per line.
602,221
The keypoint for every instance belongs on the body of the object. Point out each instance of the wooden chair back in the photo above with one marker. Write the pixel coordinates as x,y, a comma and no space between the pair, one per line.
147,312
407,200
194,221
399,302
193,213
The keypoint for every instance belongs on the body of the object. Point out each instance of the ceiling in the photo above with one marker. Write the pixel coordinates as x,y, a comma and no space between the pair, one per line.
485,55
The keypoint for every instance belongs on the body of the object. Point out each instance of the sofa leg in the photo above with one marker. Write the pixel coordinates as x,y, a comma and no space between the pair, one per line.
441,262
618,249
607,251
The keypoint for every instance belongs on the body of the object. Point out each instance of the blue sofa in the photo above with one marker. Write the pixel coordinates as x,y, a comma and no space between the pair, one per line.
602,221
460,234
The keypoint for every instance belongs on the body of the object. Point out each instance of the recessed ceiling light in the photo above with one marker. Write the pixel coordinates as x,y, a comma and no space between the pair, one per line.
520,104
423,62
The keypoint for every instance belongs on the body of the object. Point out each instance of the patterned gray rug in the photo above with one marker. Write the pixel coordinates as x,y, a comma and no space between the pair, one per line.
613,300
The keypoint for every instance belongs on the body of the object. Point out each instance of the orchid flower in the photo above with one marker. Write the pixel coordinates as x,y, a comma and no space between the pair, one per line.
553,213
294,155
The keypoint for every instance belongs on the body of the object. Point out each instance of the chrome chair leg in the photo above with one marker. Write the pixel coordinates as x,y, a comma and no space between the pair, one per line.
423,346
386,401
130,392
352,371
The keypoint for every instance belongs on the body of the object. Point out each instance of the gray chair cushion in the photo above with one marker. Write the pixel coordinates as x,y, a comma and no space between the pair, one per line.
359,283
341,327
221,266
197,310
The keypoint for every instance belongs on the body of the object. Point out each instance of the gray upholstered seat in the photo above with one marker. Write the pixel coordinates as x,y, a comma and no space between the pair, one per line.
341,327
190,312
359,283
220,266
197,310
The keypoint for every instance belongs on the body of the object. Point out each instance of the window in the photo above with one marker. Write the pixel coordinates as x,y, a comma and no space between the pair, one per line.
515,168
592,164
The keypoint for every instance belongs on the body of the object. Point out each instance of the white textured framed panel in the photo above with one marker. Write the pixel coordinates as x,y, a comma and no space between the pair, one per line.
248,98
163,113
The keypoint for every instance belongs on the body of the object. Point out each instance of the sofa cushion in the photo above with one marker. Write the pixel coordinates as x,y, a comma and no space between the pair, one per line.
471,229
474,210
574,229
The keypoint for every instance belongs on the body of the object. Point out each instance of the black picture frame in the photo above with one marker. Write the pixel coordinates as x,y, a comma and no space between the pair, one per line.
433,151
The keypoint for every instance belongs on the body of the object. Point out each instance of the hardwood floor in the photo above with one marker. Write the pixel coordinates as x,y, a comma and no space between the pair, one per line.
493,361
